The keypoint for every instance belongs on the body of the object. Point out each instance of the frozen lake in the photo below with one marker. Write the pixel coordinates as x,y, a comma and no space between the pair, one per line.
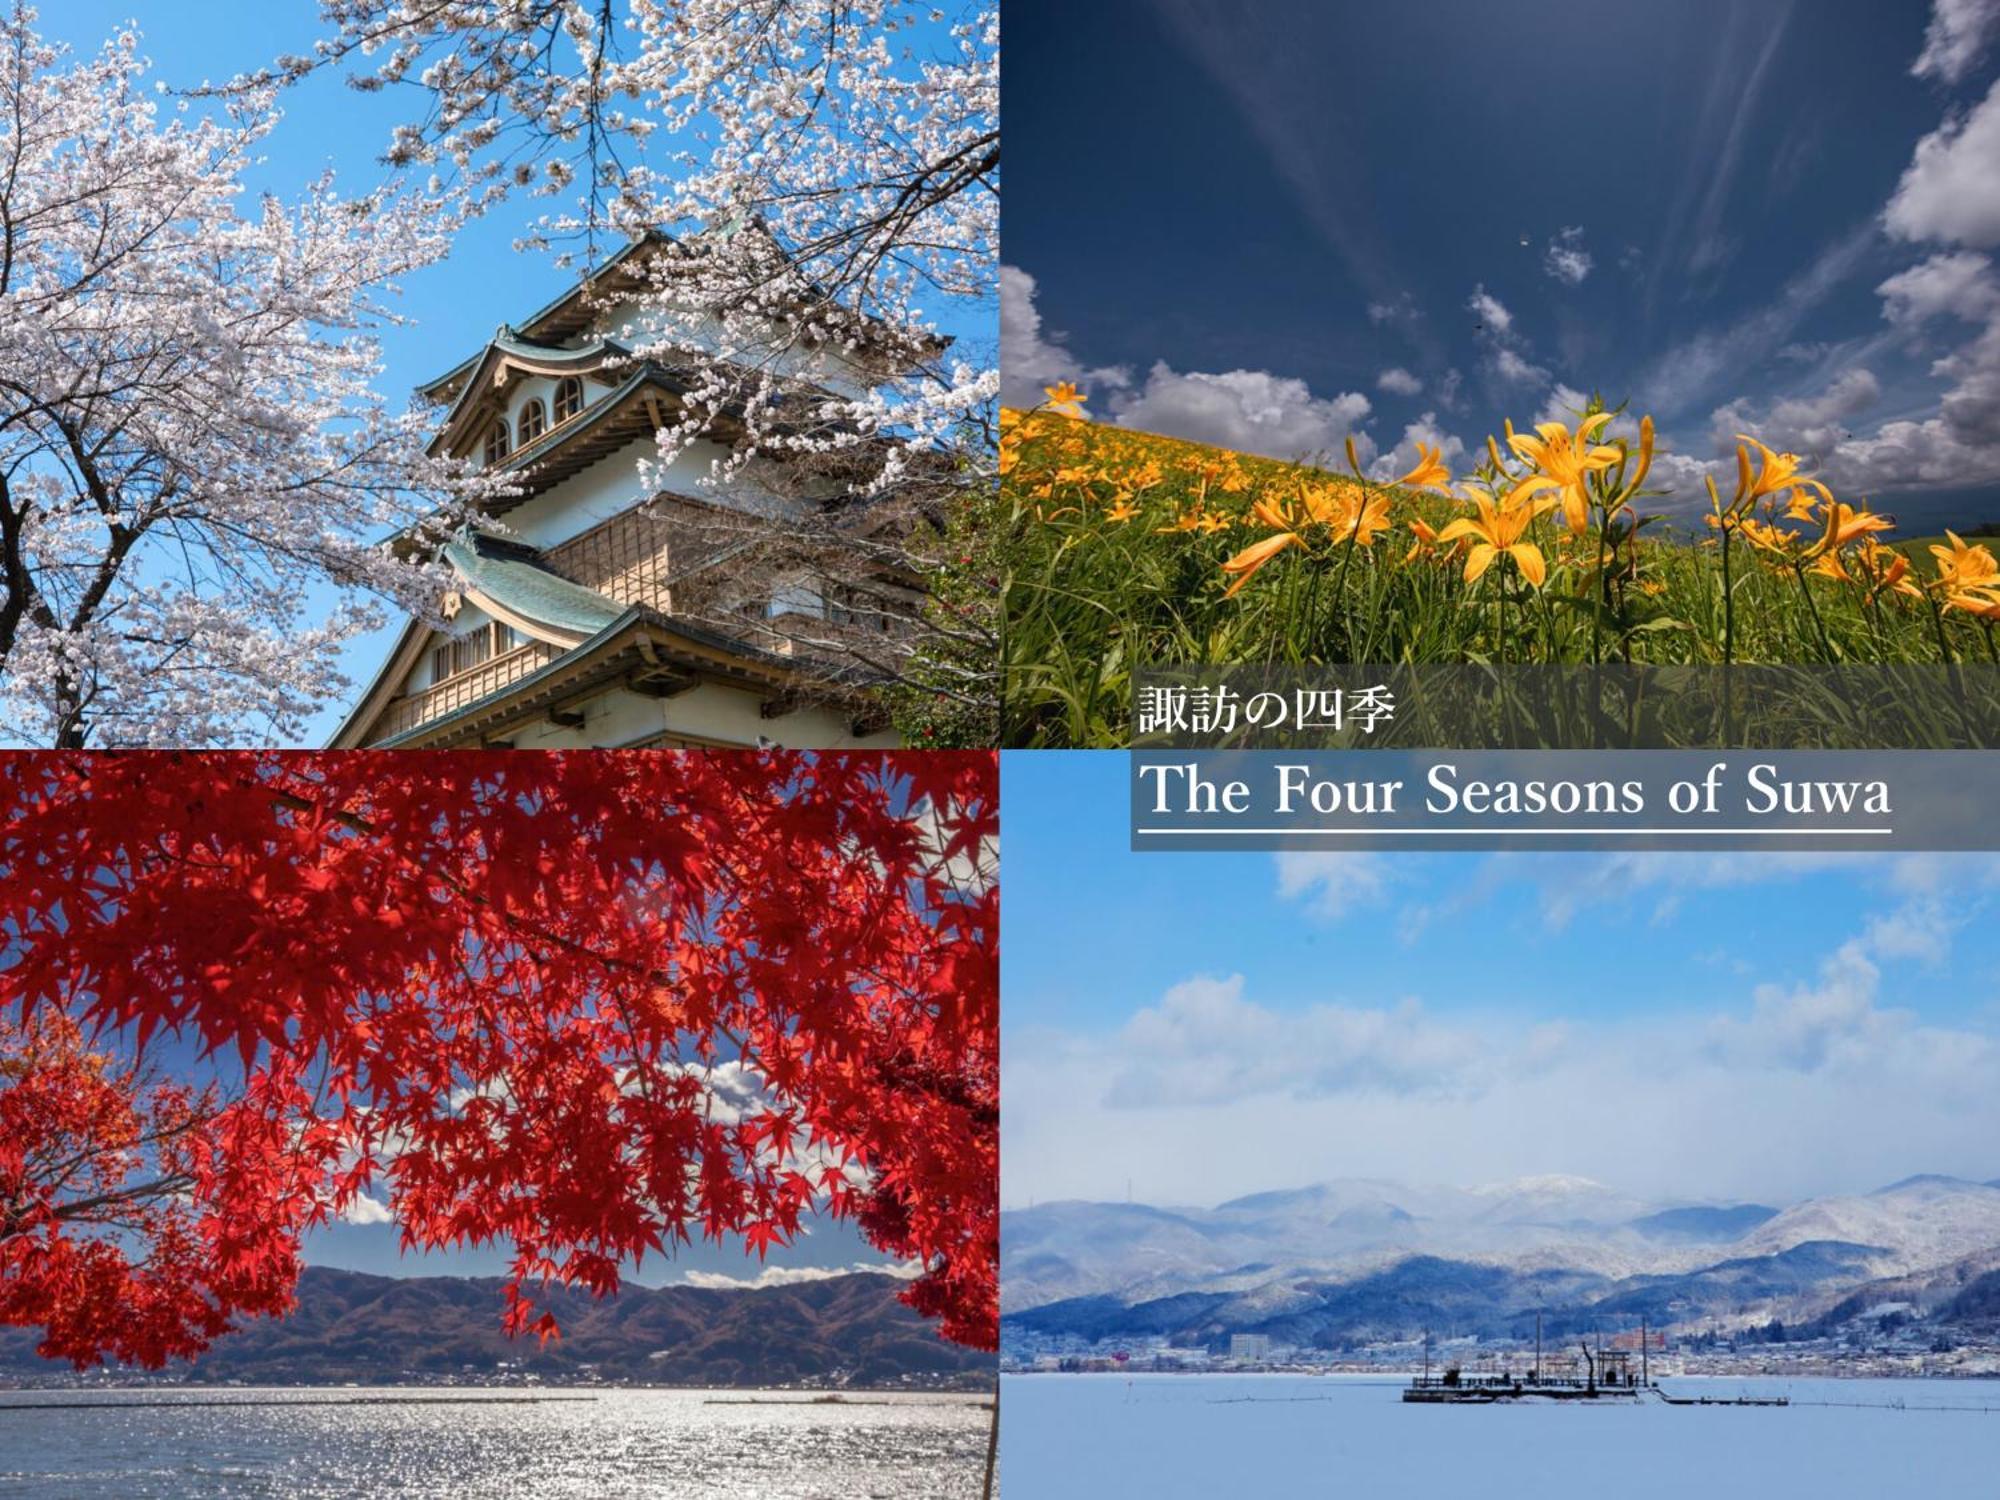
1166,1436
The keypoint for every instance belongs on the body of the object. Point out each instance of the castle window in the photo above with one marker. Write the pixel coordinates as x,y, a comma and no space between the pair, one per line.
534,422
797,599
461,653
851,604
569,397
496,441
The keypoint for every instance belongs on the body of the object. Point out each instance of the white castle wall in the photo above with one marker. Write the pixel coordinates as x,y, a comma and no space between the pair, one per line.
612,485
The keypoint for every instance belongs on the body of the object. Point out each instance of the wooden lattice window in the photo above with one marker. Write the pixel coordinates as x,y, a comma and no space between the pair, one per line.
569,397
497,443
852,605
462,653
534,421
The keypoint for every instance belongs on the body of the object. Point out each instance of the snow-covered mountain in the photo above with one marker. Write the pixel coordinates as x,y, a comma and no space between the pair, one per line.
1072,1249
1280,1251
1919,1222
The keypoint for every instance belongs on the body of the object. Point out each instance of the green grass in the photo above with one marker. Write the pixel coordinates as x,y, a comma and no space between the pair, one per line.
1089,599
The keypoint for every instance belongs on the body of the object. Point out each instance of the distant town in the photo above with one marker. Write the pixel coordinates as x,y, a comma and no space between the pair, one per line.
503,1375
1902,1351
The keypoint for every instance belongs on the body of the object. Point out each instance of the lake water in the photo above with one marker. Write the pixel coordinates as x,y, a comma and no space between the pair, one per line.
686,1444
1169,1436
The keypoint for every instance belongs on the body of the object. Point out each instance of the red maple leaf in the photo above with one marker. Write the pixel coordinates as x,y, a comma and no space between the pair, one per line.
589,1006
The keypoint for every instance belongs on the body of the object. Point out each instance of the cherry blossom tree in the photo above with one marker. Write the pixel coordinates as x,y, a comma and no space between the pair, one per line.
589,1006
189,444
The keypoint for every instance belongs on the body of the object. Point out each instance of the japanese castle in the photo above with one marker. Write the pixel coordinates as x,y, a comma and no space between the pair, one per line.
607,609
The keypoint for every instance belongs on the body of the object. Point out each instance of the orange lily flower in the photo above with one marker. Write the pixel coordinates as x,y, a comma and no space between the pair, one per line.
1976,602
1065,398
1563,462
1885,570
1499,528
1430,472
1775,471
1965,566
1844,523
1345,511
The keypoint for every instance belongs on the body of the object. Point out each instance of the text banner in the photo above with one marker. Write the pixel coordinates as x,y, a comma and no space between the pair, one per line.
1497,799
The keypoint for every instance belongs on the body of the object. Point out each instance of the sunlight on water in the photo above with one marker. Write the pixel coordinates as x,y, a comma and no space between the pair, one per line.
706,1445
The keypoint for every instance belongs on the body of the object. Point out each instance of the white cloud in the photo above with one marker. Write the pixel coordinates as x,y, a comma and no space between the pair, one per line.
1958,35
1252,411
363,1209
1918,930
1031,359
1960,445
1957,284
1908,455
1571,886
1399,382
1510,365
1401,308
1507,354
1949,194
1837,1075
771,1276
734,1090
1850,394
1333,884
1403,456
1565,404
1838,1021
1490,311
1565,259
1204,1043
1680,477
1815,425
1951,190
1809,1026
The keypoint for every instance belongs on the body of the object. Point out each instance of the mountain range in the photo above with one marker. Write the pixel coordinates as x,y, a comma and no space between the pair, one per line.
1354,1261
846,1330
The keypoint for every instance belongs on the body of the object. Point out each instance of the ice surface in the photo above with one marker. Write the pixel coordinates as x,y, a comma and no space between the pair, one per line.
1168,1436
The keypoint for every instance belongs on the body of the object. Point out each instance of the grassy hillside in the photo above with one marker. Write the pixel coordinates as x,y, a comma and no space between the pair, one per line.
1117,544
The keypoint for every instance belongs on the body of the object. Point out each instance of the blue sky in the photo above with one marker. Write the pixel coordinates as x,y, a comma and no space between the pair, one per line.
827,1245
1768,1025
452,308
1269,227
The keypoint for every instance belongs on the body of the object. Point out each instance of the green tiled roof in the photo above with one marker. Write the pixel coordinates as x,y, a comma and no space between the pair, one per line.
514,577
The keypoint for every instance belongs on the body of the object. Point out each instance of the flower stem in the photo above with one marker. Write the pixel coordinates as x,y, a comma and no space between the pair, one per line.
1812,609
1728,606
1728,646
1944,643
1340,588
